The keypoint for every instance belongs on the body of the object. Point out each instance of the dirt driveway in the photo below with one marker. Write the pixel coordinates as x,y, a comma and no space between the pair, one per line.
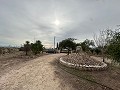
38,74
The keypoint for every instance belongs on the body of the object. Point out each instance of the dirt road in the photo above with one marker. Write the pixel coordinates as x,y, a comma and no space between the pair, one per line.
37,74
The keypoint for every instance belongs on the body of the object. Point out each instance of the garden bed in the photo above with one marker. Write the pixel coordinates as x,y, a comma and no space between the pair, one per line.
82,62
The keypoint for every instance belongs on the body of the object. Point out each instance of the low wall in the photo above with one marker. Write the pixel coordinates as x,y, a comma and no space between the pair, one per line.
84,67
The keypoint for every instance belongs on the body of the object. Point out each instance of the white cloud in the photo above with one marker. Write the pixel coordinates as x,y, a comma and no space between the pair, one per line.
22,20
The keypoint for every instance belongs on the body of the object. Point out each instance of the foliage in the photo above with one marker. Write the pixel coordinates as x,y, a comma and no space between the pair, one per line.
86,44
113,48
97,50
27,47
57,46
68,43
103,40
109,43
37,47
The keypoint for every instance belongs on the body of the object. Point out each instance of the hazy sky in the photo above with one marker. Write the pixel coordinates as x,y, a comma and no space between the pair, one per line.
22,20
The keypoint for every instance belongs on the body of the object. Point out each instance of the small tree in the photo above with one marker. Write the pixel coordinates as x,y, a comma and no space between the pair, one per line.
103,39
37,47
68,44
34,48
27,47
86,45
97,50
113,48
57,46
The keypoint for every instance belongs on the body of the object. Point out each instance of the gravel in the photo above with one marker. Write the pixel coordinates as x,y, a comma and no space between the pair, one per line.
81,59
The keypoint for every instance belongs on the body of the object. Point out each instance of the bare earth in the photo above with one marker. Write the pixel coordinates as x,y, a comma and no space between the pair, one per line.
45,73
37,74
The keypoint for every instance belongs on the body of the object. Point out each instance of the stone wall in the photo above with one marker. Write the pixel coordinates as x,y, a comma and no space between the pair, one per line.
84,67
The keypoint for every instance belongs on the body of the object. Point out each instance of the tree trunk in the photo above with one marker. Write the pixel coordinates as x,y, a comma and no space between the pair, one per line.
103,55
68,51
26,52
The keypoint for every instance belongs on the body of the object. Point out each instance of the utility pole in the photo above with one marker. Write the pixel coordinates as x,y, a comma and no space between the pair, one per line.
54,44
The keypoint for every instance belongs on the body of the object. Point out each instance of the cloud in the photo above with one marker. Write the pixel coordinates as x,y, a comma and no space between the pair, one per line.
22,20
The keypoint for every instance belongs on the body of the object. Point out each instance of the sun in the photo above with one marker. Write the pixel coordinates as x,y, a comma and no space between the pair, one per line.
57,22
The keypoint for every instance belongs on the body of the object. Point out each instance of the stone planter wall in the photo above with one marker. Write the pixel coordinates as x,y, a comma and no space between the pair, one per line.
84,67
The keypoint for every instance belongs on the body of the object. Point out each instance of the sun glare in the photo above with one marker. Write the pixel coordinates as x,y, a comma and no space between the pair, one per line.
57,22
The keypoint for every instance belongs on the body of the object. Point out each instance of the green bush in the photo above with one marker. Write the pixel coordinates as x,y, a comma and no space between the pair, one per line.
36,47
113,48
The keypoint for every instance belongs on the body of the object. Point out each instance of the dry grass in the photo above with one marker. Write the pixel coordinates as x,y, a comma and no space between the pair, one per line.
9,61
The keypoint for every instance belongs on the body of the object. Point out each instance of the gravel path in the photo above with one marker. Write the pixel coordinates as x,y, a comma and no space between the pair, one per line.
37,74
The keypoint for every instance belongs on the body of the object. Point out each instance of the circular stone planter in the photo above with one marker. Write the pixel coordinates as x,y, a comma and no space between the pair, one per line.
84,67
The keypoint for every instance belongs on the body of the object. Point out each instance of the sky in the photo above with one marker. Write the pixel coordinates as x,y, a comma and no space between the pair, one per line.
30,20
